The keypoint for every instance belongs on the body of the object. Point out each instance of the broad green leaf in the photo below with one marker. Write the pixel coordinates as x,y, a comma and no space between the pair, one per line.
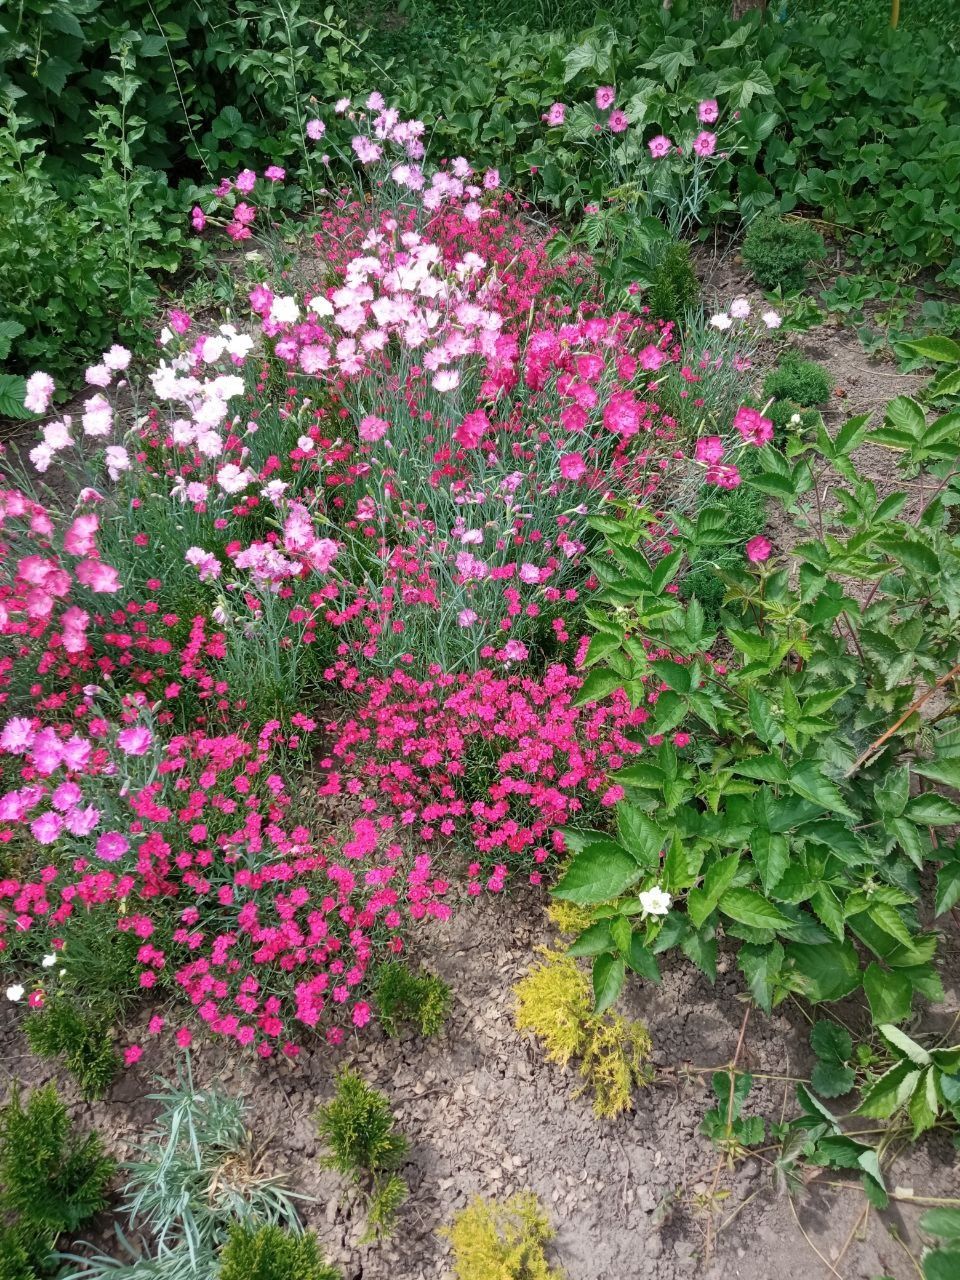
933,810
935,348
946,770
808,781
608,975
600,682
593,940
832,1079
762,967
909,1048
924,1105
752,909
641,960
761,718
942,1264
641,837
944,1223
890,1092
598,873
827,971
948,887
890,994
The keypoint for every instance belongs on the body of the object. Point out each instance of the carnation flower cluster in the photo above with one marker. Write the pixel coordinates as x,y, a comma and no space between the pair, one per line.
298,671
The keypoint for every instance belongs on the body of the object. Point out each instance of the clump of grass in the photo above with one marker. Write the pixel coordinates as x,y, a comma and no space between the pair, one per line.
404,996
675,288
502,1241
364,1145
555,1002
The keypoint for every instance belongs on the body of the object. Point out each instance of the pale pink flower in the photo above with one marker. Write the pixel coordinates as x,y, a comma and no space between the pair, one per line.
605,97
617,122
660,146
39,392
705,143
708,111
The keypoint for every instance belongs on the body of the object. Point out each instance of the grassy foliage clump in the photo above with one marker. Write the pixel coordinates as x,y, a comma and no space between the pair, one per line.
778,252
675,288
554,1001
51,1180
62,1030
270,1253
493,1241
405,996
364,1145
804,382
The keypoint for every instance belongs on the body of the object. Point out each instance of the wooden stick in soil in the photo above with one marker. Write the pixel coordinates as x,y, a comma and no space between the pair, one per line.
708,1245
888,733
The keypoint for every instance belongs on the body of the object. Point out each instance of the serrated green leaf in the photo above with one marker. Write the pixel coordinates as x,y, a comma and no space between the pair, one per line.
599,873
890,994
608,975
762,967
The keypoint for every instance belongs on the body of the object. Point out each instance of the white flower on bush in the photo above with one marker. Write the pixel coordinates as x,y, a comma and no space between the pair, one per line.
97,416
284,311
771,319
15,992
720,321
655,901
740,308
49,961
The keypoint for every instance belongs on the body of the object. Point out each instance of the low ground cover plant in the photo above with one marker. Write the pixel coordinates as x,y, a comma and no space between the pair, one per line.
494,1240
270,1253
780,251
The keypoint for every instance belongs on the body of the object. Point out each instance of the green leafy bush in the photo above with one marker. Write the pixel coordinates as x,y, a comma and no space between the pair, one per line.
404,996
798,831
61,1030
270,1253
50,1178
359,1130
791,418
804,382
778,251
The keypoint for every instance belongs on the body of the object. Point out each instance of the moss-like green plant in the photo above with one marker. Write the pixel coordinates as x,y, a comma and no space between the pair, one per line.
804,382
364,1145
568,918
51,1178
404,996
502,1241
555,1002
778,252
62,1030
270,1253
675,288
792,419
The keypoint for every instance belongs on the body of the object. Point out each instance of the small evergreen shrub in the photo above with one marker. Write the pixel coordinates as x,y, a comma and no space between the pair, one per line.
51,1178
404,996
61,1030
493,1241
803,381
675,288
270,1253
17,1255
778,252
359,1130
555,1002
